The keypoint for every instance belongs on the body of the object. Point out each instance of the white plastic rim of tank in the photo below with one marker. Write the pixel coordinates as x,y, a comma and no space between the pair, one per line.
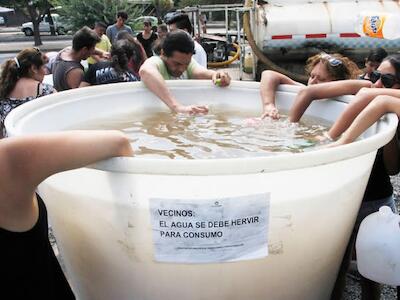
62,110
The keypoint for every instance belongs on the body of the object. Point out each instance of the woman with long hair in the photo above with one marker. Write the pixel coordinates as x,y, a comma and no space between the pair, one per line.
123,53
21,81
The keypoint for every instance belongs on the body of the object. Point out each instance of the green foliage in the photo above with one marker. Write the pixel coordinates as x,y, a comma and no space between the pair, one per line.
162,7
40,6
86,12
184,3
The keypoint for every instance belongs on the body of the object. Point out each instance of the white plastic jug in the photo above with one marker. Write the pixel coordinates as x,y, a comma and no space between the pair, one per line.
248,60
378,25
378,247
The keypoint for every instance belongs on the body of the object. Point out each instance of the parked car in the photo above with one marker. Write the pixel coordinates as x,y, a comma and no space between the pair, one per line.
2,21
44,26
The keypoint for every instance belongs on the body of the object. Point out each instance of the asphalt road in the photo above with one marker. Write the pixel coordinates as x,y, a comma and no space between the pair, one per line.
12,40
5,56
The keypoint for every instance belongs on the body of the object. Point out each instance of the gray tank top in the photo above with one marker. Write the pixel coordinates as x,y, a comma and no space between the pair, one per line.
60,69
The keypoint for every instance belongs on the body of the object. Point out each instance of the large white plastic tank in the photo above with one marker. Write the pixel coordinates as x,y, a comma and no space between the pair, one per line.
107,218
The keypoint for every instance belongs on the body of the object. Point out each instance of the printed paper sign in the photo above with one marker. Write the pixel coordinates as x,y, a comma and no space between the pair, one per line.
210,230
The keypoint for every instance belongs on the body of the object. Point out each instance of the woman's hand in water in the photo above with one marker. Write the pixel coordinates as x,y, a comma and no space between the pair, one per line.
192,109
270,111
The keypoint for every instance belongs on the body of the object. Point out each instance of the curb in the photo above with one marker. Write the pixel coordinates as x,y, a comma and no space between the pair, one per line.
47,46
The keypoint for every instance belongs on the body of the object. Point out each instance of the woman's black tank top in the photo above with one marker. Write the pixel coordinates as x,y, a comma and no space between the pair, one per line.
28,267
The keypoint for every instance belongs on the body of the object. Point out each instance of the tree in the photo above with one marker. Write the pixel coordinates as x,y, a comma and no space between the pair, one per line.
36,10
86,12
184,3
161,7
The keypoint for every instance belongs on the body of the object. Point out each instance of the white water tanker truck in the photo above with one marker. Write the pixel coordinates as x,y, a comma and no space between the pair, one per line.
284,32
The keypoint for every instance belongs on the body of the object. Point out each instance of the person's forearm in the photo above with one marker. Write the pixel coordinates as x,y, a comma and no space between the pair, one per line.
203,73
363,121
46,154
85,147
347,116
268,85
322,91
156,84
301,103
360,101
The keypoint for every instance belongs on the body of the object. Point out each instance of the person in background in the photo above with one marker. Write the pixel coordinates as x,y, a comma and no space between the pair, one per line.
67,69
147,37
29,267
50,58
372,62
116,70
182,21
104,44
162,31
119,26
176,62
379,190
21,81
203,22
321,67
137,61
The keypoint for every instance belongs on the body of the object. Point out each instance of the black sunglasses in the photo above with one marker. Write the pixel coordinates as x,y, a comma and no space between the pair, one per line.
388,80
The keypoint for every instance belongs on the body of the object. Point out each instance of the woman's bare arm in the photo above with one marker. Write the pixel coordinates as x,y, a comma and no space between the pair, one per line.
31,159
270,80
322,91
376,109
360,101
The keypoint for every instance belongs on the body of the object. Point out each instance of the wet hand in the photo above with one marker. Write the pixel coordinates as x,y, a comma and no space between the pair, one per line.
220,78
270,111
192,109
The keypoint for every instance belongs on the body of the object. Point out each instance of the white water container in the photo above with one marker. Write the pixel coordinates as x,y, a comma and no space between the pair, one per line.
378,25
103,217
378,247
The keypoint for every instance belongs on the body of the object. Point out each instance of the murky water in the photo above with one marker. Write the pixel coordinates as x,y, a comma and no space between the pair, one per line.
228,135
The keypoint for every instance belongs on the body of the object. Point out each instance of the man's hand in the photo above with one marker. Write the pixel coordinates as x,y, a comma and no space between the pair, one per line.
221,78
192,109
270,111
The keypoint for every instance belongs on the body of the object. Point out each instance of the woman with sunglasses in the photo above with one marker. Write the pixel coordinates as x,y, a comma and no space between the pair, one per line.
386,76
21,81
321,68
379,190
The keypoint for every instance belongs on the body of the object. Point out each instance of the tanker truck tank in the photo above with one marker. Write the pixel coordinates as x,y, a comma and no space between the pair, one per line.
289,31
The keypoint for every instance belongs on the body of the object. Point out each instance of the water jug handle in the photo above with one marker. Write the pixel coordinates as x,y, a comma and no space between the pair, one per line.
385,211
386,214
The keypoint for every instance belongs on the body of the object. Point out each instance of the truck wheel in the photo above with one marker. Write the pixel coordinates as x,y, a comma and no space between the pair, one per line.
28,31
60,31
